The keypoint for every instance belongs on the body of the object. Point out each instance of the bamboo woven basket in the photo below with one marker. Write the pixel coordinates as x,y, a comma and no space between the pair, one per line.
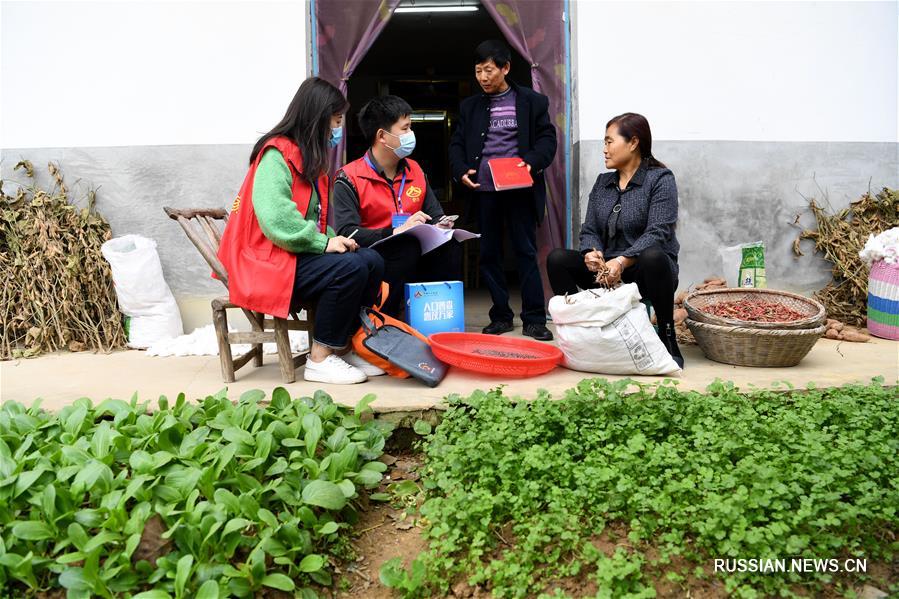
813,311
742,346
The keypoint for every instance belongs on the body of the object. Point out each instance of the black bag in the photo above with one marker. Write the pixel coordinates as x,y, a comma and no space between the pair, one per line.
402,349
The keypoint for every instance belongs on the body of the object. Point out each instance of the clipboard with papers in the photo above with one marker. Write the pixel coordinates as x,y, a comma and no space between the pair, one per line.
430,236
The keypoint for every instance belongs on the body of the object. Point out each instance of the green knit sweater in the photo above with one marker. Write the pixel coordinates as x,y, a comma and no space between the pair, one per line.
278,217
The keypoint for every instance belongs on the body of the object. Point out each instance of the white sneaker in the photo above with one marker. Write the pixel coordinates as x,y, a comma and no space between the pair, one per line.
362,364
333,370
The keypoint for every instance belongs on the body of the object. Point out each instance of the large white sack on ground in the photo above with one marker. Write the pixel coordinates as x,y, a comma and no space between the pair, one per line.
202,342
607,331
142,292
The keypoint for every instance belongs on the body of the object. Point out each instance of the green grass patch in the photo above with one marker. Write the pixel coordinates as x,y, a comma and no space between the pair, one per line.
202,500
523,494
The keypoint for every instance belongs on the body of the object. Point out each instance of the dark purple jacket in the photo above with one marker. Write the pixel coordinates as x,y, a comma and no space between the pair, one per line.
648,214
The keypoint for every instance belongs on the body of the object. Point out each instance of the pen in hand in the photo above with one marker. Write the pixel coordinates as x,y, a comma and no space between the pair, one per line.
352,245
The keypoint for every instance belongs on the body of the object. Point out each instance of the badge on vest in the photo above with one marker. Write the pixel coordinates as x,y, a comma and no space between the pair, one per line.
236,205
413,192
399,219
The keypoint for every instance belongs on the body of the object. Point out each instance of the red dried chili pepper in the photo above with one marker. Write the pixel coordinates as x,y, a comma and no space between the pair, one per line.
754,311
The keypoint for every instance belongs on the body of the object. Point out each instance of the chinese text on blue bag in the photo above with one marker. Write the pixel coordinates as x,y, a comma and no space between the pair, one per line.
436,307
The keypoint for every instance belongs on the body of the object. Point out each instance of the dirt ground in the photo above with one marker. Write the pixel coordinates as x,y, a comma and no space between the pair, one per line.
384,532
379,541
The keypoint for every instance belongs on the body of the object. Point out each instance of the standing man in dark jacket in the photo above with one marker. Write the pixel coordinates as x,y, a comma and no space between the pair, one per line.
506,120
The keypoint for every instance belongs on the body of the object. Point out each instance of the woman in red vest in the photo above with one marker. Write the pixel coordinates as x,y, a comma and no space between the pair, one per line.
277,247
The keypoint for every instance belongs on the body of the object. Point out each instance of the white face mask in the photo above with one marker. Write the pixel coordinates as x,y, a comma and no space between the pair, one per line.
407,143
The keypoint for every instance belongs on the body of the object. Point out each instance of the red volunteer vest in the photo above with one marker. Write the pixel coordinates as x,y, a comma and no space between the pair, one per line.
260,274
378,202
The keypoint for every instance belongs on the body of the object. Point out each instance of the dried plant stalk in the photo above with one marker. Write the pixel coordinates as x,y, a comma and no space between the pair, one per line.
57,291
601,273
840,237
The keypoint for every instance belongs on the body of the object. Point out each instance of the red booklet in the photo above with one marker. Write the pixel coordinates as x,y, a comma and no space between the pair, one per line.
508,175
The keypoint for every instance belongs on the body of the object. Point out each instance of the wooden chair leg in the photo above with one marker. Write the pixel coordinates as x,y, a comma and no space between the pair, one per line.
285,357
310,322
220,322
257,359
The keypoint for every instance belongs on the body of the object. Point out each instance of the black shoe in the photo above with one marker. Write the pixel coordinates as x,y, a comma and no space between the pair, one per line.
497,327
669,340
538,332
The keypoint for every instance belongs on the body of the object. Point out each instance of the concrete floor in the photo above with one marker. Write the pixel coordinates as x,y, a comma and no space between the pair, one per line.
59,379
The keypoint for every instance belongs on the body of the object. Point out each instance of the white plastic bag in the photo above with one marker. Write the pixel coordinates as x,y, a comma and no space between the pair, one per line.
608,331
884,246
142,291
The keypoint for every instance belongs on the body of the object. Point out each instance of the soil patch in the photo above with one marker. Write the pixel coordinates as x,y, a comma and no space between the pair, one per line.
384,532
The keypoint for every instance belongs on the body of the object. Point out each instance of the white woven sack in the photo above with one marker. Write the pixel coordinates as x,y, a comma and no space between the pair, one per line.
141,290
607,331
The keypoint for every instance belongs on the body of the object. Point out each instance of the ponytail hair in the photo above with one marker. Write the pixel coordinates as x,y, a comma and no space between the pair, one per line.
631,125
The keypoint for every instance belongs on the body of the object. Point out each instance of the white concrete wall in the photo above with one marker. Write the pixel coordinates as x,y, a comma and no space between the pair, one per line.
79,74
755,106
743,71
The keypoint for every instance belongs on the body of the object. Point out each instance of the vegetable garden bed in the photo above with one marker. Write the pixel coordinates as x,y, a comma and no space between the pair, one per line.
613,492
206,500
616,490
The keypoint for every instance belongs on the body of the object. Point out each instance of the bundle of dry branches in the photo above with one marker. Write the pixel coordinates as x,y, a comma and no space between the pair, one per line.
57,291
840,237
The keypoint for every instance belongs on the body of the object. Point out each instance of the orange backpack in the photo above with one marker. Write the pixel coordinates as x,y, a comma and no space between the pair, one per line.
379,319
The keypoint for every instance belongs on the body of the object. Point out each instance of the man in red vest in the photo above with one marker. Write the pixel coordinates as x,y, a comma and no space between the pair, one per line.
383,193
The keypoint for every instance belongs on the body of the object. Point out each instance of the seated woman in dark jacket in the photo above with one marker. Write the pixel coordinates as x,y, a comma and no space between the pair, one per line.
631,216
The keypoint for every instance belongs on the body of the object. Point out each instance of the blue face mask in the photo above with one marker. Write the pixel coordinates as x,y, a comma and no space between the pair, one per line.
336,136
407,143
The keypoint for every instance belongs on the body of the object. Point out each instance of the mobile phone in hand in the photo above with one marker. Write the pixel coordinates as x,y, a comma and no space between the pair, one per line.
451,218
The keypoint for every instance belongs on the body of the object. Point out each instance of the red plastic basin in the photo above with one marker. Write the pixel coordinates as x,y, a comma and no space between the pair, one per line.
490,354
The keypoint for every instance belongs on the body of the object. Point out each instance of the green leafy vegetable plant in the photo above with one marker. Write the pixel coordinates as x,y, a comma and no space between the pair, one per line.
616,481
206,500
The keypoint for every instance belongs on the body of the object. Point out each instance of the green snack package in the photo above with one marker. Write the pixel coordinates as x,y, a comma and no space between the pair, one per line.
752,266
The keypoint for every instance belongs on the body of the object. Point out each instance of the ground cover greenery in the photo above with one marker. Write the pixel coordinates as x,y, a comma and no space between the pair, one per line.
192,500
520,495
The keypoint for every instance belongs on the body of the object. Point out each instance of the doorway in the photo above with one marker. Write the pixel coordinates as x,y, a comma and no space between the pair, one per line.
369,48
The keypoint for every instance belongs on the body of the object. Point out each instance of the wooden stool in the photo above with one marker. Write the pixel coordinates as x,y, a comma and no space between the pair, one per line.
204,228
